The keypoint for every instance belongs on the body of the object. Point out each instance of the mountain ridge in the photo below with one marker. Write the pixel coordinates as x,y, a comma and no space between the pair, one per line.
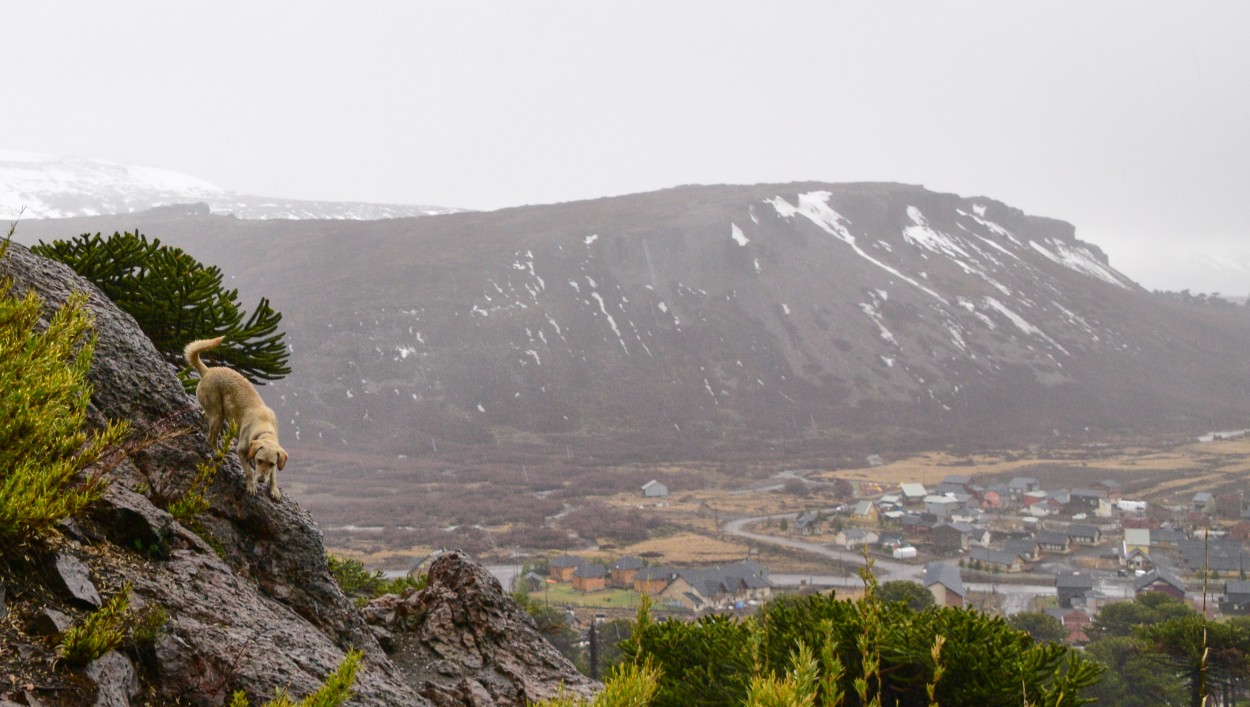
48,186
715,320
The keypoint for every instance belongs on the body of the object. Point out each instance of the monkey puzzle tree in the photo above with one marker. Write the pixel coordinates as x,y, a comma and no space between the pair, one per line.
176,299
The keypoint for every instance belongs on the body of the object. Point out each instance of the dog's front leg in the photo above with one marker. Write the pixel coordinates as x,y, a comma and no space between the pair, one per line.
248,469
274,493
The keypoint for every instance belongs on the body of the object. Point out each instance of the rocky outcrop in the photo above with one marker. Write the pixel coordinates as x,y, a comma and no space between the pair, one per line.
265,613
250,602
463,640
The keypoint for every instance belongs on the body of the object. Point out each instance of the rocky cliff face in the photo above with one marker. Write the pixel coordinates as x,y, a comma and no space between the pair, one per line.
251,605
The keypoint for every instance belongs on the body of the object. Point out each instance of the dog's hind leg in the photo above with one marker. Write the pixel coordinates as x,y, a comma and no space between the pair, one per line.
214,431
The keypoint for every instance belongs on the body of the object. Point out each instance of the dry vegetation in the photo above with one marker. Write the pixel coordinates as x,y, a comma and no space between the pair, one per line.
495,509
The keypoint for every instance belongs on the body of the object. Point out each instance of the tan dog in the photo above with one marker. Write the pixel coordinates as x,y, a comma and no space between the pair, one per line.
227,396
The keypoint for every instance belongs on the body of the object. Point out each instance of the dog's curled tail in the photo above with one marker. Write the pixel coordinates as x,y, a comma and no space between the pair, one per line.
192,352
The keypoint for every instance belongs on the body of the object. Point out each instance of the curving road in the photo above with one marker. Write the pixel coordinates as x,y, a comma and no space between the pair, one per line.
884,569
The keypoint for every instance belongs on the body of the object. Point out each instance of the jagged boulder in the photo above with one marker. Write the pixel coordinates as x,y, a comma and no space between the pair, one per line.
463,640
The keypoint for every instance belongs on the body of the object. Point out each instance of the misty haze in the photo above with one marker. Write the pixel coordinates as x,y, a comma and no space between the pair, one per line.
903,289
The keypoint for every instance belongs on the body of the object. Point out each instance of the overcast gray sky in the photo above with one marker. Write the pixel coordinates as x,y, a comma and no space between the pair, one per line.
1129,119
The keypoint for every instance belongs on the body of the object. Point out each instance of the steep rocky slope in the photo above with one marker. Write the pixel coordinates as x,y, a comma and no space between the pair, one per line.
250,602
716,322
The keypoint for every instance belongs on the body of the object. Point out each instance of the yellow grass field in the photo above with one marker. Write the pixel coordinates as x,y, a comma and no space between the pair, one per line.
690,549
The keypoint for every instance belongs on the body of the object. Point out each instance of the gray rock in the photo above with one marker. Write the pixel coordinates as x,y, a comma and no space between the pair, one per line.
463,640
125,518
115,679
49,622
70,578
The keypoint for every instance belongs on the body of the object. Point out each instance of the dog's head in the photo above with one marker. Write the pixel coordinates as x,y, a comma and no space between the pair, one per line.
266,454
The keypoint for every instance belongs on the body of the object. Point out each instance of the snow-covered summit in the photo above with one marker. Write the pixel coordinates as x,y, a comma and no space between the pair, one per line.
49,186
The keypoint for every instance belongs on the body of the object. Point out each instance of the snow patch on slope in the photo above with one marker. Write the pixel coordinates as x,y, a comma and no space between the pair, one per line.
814,207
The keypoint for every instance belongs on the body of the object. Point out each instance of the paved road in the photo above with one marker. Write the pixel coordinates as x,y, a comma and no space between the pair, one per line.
884,569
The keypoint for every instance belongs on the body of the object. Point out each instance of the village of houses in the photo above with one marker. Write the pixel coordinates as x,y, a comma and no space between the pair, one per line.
1066,551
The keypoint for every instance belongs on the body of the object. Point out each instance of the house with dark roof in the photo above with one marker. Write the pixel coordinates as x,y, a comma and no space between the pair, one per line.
681,593
854,537
999,560
561,568
1112,488
622,571
1084,534
915,525
1051,541
721,587
1167,537
653,579
1202,499
805,522
1162,580
1080,500
1026,548
1021,485
590,577
949,537
1215,554
890,539
943,581
1236,597
1072,588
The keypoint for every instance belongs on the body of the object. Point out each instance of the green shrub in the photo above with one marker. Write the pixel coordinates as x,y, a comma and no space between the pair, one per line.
869,651
176,299
336,690
102,631
44,394
362,585
627,686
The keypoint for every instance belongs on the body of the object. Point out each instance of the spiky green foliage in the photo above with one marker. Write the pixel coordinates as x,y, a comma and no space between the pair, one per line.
363,585
916,596
1038,624
336,690
628,685
706,662
100,632
1206,656
176,299
44,394
1133,677
797,688
887,651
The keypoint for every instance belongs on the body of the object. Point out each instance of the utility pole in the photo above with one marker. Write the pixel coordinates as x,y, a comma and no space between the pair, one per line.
594,651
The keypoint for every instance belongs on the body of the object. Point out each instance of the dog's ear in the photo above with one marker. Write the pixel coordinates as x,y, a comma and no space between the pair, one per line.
281,459
253,448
